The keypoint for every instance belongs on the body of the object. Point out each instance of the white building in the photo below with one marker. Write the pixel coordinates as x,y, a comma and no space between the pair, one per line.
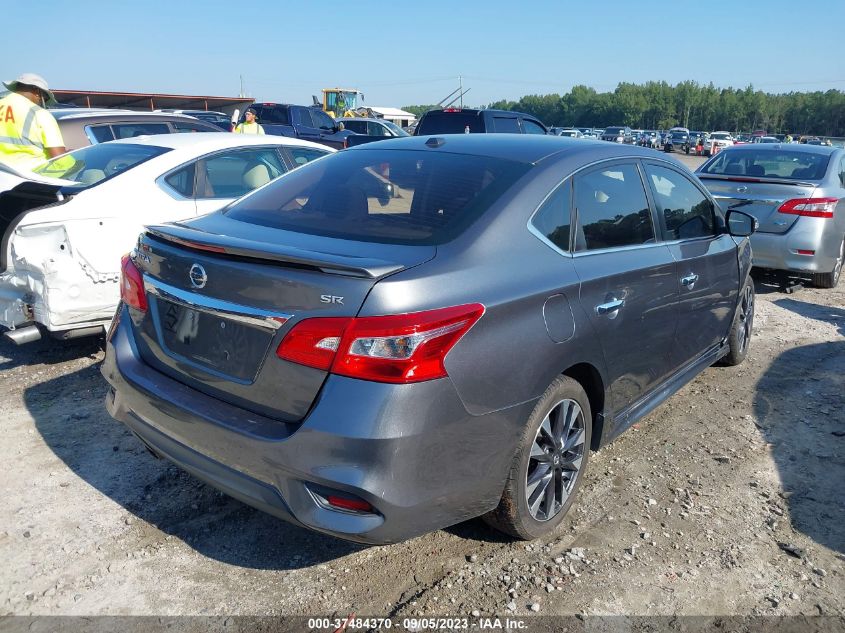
399,117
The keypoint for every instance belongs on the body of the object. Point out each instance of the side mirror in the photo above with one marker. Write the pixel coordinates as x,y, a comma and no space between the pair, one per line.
740,223
340,126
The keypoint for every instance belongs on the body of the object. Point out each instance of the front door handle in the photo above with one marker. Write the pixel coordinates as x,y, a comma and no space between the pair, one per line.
610,306
689,280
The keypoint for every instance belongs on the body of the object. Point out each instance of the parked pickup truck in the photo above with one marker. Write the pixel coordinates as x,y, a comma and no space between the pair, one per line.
302,122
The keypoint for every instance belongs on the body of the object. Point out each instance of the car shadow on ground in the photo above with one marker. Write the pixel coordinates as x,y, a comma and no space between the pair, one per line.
47,351
800,409
825,314
69,414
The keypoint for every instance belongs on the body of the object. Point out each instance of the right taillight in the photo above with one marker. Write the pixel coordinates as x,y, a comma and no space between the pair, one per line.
132,285
401,348
810,207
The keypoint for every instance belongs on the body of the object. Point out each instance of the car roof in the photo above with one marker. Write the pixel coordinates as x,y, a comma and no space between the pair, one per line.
343,119
209,141
524,148
97,113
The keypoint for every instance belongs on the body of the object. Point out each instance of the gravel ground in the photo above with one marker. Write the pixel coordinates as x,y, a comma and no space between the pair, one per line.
726,500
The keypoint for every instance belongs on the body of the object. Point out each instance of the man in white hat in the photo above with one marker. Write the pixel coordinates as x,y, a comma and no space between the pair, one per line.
29,134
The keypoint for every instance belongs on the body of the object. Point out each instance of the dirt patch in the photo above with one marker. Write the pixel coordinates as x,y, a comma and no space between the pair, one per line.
726,500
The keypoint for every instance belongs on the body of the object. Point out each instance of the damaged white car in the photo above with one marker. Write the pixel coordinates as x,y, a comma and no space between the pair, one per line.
65,227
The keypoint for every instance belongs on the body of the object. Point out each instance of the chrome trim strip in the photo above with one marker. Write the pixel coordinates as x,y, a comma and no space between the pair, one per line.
217,307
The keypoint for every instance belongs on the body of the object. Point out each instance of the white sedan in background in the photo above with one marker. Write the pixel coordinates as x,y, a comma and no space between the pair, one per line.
65,227
716,142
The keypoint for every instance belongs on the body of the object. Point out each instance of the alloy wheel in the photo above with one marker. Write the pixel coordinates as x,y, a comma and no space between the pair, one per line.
555,460
746,317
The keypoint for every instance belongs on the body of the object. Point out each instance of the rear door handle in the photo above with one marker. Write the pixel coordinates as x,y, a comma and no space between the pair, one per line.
610,306
689,280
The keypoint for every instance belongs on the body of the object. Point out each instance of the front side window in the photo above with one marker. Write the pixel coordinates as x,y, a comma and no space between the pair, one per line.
532,127
236,173
322,120
301,155
359,127
612,209
391,197
552,218
374,129
686,213
93,164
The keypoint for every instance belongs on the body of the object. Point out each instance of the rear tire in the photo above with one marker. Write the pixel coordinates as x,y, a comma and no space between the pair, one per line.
831,279
549,465
743,324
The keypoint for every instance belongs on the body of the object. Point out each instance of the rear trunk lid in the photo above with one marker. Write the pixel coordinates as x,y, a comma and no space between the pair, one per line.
223,294
759,197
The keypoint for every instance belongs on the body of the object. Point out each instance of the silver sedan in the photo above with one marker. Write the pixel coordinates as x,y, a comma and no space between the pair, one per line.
797,193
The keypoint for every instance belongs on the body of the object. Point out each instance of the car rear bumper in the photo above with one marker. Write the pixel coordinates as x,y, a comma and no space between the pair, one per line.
780,251
411,451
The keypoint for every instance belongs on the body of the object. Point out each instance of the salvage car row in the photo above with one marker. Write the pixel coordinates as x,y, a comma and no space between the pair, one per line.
343,339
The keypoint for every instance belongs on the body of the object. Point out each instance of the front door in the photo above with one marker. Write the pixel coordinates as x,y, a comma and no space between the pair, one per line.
707,269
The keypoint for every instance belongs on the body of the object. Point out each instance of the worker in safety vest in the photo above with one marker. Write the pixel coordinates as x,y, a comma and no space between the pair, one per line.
29,134
250,126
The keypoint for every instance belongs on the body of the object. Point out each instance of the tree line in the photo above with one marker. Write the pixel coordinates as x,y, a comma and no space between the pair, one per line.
658,105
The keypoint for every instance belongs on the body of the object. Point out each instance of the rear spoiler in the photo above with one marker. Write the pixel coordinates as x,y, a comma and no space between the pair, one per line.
331,263
774,181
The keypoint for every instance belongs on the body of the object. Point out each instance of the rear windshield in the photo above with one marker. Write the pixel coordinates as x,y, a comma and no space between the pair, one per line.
393,197
614,130
450,123
789,165
95,163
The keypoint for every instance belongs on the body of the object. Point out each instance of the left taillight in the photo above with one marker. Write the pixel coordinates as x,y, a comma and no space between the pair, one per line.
810,207
132,285
402,348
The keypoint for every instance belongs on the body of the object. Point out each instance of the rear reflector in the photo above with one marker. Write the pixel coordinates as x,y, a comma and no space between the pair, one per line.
344,503
401,348
810,207
802,252
132,285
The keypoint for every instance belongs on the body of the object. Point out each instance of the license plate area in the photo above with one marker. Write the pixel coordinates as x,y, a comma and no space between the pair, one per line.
222,345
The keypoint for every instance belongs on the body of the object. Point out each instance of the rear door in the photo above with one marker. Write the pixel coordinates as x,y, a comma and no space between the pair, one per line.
706,270
628,285
212,181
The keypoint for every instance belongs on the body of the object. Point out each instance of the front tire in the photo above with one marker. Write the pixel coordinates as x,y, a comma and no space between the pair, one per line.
831,279
742,327
549,466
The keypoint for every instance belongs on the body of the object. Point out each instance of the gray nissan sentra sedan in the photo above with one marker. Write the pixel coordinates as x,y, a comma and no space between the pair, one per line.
414,332
797,192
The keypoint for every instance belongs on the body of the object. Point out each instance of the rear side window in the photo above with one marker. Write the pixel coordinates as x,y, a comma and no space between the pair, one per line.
188,126
439,122
553,217
129,130
768,163
304,117
686,213
612,209
393,197
506,124
274,115
359,127
182,180
102,133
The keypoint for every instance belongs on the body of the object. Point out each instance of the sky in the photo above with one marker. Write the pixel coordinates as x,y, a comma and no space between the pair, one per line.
401,54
